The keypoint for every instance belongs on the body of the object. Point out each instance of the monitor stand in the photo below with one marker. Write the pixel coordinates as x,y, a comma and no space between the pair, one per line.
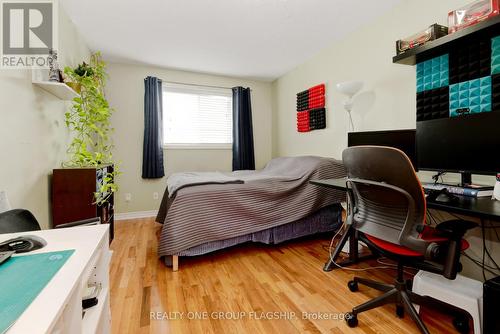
466,179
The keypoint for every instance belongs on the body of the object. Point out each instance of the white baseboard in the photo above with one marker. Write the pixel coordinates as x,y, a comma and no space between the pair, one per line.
136,215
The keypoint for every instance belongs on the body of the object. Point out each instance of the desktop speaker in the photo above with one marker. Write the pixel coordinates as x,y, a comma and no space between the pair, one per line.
491,305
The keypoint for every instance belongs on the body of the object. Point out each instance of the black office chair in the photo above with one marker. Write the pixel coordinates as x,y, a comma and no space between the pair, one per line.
18,220
21,220
388,209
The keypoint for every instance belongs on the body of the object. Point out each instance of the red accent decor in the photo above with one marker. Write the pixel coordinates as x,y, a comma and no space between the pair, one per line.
313,96
317,103
307,100
303,121
319,89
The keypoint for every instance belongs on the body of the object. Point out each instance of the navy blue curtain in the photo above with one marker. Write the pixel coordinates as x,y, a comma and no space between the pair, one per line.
243,152
152,153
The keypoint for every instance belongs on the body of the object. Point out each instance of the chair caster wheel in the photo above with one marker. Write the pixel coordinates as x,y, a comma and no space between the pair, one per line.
353,286
400,311
351,319
461,324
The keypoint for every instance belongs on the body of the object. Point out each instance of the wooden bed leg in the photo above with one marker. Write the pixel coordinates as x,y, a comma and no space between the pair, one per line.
175,262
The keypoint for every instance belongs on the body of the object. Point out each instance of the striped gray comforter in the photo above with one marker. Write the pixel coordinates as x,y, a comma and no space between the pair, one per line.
276,195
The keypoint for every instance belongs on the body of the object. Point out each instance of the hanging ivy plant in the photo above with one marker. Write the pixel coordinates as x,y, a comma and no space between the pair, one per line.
89,120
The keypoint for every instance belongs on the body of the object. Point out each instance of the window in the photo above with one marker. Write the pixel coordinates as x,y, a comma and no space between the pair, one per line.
197,116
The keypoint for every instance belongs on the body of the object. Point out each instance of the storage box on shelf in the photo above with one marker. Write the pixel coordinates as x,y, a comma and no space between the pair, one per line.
434,48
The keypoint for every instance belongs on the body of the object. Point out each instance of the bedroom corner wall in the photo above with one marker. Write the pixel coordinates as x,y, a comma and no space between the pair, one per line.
33,135
125,92
386,102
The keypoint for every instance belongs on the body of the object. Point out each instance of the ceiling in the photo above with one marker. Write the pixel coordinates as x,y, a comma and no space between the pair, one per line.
260,39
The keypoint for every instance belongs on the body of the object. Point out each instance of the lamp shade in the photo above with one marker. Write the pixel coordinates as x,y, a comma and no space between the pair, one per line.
350,88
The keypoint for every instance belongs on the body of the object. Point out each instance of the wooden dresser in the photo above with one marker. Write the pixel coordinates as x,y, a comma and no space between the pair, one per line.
73,196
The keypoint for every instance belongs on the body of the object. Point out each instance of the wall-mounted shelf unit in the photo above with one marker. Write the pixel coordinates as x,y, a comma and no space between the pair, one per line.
410,56
58,89
40,78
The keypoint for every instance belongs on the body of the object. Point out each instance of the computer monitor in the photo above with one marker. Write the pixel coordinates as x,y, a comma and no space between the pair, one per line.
400,139
468,144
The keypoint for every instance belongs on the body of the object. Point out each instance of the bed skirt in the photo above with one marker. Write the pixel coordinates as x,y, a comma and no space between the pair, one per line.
327,219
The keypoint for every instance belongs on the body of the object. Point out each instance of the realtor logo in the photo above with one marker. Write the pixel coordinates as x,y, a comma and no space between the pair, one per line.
28,33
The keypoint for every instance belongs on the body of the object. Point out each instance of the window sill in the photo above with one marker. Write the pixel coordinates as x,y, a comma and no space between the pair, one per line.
198,146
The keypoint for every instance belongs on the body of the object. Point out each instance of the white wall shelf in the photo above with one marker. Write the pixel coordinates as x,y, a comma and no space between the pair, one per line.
40,78
58,89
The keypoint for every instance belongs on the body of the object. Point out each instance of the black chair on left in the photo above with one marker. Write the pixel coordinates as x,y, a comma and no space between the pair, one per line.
21,220
18,220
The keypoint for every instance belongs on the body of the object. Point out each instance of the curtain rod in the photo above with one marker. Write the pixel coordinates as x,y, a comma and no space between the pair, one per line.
198,85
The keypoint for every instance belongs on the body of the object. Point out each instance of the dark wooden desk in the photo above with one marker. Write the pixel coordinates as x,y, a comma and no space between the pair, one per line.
483,208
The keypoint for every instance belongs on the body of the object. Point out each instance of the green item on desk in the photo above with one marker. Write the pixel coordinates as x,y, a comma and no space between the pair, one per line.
21,280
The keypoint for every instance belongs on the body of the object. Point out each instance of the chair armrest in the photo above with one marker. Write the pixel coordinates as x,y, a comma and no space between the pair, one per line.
455,229
90,221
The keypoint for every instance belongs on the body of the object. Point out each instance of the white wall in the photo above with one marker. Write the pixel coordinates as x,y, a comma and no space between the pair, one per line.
125,92
386,102
33,135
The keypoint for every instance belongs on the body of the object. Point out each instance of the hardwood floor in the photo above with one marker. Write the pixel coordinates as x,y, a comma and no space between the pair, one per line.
249,281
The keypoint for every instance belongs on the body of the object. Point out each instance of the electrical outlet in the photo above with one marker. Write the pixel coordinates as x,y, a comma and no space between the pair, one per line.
128,197
155,195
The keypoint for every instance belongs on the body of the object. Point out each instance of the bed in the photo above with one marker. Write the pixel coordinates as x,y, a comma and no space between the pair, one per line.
270,205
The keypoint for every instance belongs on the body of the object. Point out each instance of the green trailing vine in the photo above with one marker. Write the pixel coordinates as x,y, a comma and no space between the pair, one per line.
89,119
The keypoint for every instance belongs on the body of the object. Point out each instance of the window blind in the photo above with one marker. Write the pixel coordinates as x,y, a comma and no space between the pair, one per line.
196,115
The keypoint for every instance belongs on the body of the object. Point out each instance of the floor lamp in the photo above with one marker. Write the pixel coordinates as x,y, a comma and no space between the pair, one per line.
349,88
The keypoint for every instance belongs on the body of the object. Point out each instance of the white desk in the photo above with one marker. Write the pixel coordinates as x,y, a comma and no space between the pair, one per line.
58,307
